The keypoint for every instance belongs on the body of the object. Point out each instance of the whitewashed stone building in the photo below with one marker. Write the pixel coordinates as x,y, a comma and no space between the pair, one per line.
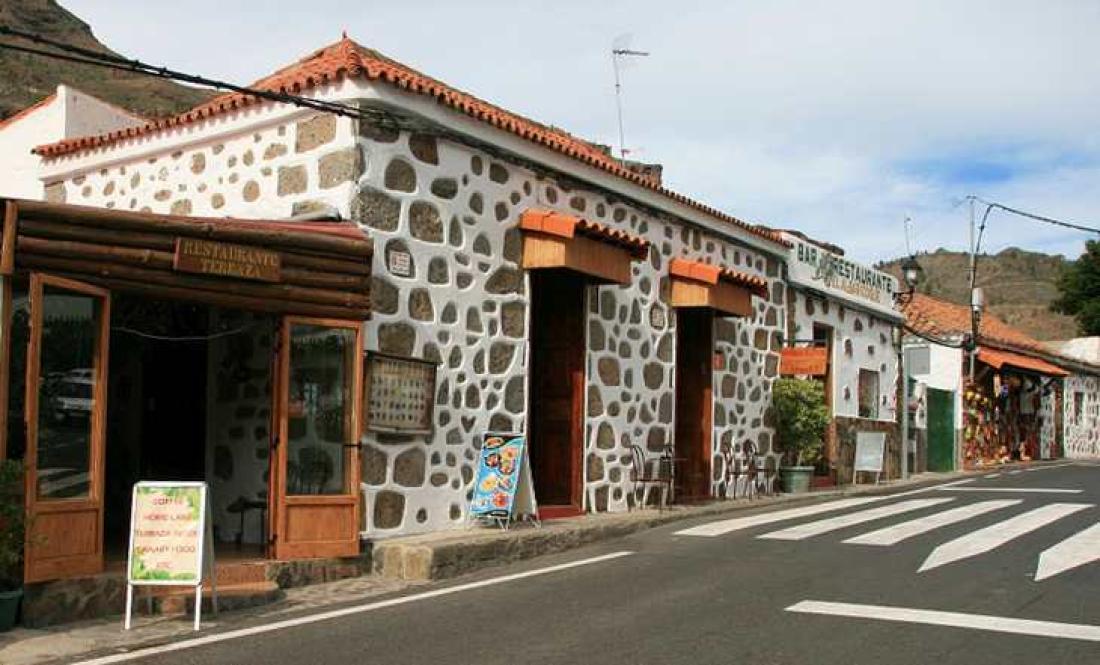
643,319
847,311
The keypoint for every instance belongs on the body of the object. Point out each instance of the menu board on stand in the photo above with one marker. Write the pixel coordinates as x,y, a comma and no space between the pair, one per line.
504,491
171,541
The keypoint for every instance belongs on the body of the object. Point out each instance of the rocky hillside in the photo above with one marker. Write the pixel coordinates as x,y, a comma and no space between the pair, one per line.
28,78
1019,287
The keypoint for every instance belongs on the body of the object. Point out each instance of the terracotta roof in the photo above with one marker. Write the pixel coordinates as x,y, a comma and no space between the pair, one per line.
998,359
710,274
346,59
940,319
568,226
45,101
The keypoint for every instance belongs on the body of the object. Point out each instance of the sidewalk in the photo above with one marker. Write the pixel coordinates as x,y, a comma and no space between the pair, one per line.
403,562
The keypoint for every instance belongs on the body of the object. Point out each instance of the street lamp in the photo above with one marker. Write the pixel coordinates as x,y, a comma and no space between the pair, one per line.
911,272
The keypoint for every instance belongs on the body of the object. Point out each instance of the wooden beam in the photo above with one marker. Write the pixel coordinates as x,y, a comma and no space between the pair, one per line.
600,260
722,296
5,361
7,240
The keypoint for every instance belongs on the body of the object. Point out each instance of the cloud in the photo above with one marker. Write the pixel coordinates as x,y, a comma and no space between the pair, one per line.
838,118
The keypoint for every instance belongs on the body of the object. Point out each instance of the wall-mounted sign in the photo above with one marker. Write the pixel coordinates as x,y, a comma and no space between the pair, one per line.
804,361
207,257
400,394
170,539
399,263
815,267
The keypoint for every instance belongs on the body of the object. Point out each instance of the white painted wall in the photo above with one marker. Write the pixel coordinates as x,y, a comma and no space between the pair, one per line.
945,373
68,113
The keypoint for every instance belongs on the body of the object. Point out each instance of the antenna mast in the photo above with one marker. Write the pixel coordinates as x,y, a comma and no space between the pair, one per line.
619,50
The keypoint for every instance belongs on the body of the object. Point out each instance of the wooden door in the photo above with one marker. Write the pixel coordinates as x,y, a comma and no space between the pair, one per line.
941,430
314,479
694,401
66,400
555,414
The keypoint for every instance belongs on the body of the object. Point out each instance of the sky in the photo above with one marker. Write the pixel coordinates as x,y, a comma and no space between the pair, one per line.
840,119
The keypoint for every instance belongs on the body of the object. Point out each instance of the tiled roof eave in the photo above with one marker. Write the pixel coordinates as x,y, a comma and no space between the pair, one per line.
347,59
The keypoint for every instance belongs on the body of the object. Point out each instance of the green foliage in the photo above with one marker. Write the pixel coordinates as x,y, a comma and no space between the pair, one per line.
12,524
801,419
1079,290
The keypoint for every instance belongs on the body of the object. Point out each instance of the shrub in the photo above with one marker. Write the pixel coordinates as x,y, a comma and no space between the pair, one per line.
801,419
12,525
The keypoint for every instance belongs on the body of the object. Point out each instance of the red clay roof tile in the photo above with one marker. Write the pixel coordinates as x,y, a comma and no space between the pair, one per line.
710,274
567,226
347,59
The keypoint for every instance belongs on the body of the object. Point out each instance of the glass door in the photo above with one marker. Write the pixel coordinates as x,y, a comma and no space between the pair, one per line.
315,461
65,398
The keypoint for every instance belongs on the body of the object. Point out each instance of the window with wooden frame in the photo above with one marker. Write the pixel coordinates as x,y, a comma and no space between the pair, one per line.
398,393
868,393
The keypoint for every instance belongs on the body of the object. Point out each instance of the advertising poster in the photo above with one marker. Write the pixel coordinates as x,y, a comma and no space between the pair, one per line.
166,533
498,475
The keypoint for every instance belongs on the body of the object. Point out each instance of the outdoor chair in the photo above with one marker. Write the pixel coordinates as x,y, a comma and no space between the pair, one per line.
763,475
643,477
736,473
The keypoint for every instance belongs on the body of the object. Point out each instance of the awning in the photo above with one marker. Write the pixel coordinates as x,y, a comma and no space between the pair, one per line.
997,359
698,284
556,240
306,268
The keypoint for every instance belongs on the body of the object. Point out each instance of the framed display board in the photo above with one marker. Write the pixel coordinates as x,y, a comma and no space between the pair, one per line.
870,447
398,393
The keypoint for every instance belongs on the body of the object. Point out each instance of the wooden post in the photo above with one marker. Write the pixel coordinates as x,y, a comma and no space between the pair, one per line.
7,245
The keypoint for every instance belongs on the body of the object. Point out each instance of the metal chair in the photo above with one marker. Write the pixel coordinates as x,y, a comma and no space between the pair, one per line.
764,475
643,479
736,472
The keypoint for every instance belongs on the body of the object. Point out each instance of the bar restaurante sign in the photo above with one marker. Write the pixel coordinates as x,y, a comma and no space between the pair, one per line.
206,257
815,267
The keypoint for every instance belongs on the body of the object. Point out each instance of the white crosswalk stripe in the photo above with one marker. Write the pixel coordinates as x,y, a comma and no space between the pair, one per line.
1077,550
819,527
1013,490
722,527
892,535
996,535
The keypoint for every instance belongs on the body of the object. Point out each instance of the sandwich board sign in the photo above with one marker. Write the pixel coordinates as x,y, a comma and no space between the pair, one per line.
870,447
170,540
504,491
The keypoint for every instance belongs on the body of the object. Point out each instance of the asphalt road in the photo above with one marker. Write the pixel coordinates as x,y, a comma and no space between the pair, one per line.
726,597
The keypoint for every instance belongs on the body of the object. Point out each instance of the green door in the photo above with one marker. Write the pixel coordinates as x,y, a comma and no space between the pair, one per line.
941,430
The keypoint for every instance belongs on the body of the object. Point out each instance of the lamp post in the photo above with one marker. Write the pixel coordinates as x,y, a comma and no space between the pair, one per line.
911,272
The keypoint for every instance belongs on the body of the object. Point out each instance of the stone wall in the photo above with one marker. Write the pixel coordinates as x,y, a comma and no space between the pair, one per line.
846,431
1082,431
271,173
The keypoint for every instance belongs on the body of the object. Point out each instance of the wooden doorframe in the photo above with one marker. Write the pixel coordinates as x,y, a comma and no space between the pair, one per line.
280,504
5,360
81,564
704,447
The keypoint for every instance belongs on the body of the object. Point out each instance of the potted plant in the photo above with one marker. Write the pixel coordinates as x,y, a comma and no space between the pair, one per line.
801,419
12,540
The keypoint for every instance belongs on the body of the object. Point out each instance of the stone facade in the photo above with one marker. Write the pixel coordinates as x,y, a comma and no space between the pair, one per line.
846,431
1082,426
463,302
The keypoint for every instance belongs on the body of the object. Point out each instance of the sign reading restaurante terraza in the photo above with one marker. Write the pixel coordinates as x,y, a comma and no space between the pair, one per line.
206,257
813,266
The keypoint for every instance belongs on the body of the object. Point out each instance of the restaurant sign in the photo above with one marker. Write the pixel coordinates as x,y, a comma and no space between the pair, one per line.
810,361
207,257
815,267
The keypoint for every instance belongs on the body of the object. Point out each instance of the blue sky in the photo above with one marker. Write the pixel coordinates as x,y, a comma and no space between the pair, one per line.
840,119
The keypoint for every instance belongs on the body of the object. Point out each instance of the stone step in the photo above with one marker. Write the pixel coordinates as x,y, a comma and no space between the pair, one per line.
180,600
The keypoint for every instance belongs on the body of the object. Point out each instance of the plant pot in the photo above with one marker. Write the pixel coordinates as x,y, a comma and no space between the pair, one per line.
795,479
9,608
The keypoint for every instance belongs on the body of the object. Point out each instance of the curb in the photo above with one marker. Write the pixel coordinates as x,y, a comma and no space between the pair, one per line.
444,555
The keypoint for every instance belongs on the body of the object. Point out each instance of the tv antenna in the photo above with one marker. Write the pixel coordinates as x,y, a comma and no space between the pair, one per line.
620,56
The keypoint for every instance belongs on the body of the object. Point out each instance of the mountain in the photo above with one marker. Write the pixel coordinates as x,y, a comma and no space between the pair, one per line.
1019,286
28,78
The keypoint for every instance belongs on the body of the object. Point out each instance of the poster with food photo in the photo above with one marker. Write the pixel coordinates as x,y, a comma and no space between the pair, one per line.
498,474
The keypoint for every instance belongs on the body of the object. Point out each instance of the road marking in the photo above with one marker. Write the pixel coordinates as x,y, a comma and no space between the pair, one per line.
1077,550
1014,473
803,531
343,612
892,535
1022,490
725,526
1068,631
992,475
995,535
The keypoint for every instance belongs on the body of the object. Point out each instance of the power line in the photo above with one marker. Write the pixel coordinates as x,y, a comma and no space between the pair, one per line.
991,205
